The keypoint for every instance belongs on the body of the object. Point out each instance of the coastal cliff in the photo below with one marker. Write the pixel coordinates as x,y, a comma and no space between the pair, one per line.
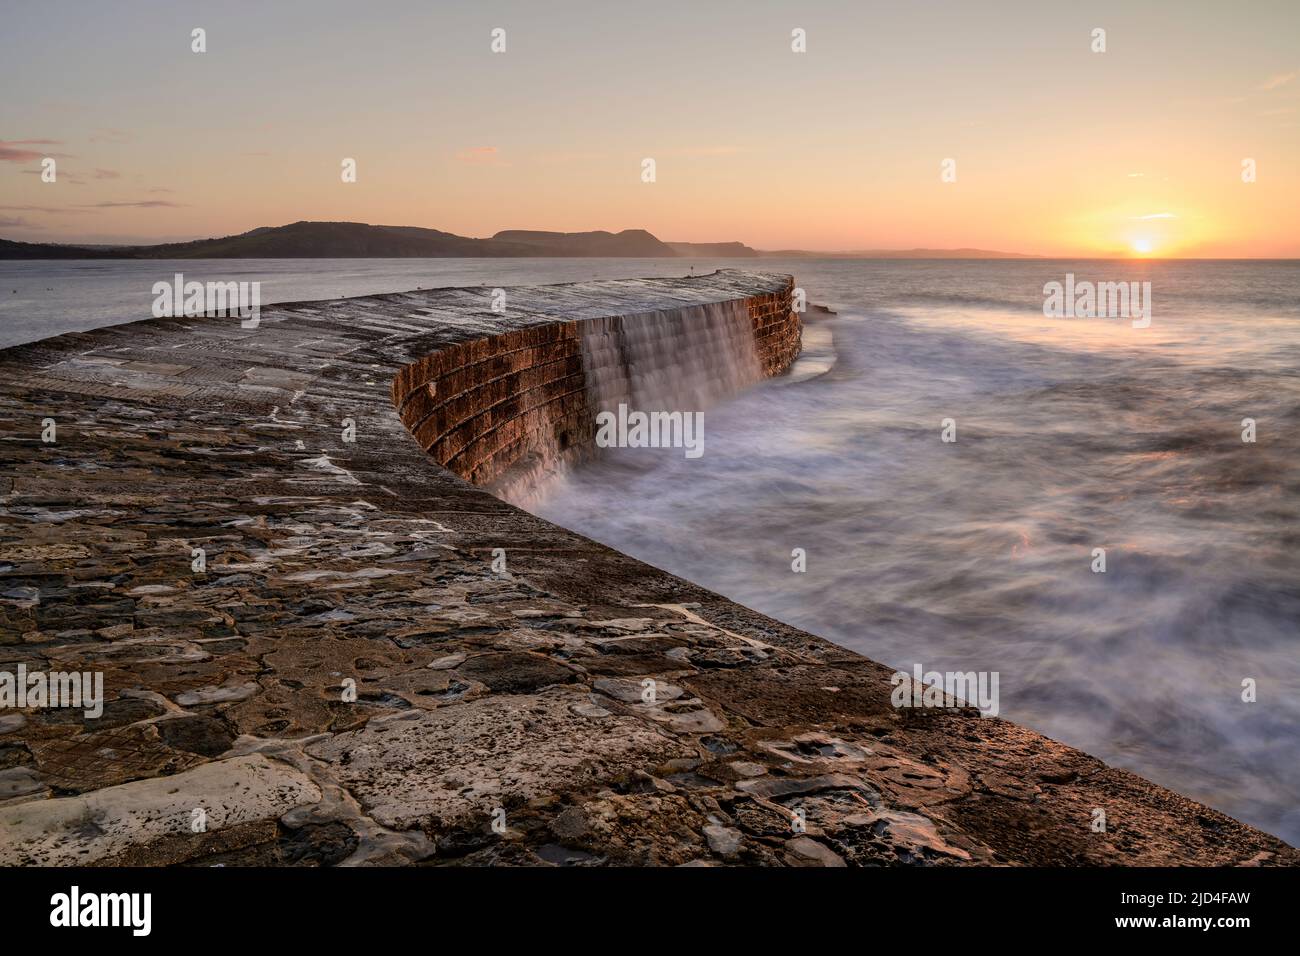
380,661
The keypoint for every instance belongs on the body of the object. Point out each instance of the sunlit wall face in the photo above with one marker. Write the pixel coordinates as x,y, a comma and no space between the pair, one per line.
835,142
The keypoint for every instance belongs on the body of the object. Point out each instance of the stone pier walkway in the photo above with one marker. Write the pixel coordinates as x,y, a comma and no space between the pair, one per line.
498,717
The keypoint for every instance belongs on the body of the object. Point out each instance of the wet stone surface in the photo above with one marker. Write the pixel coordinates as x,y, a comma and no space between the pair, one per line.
348,680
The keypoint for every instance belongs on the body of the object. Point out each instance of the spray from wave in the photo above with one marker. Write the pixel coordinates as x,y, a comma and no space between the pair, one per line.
681,361
978,555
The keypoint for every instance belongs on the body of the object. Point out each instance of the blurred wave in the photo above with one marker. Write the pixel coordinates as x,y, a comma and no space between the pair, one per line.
1073,434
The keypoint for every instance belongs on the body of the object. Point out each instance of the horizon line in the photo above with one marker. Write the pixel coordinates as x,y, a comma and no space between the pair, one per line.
791,252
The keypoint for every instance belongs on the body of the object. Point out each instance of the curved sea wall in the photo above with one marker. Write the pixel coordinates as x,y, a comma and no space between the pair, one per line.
344,652
530,395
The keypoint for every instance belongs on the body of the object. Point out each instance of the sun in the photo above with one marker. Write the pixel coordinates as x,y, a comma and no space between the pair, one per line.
1143,247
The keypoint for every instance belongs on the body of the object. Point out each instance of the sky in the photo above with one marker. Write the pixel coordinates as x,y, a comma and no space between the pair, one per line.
1056,149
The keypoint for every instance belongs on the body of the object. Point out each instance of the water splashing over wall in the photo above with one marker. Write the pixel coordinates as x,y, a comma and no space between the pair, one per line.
670,360
683,359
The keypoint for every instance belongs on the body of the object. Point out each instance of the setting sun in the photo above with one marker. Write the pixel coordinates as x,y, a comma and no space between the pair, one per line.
1142,247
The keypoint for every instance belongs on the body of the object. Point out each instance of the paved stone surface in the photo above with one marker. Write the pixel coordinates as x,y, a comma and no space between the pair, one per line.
454,765
354,683
81,830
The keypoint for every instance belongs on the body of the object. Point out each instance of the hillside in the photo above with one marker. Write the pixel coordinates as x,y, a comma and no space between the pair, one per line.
9,249
356,240
635,243
713,250
333,240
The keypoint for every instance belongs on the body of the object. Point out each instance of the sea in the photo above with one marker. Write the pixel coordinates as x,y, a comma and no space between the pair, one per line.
1101,511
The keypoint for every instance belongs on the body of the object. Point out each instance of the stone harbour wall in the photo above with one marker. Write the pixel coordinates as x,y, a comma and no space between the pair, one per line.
479,407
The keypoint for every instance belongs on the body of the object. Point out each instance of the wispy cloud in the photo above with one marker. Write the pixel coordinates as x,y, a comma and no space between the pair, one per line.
481,156
110,135
136,204
133,204
1155,215
64,176
696,151
9,222
56,210
572,157
1278,79
107,174
15,151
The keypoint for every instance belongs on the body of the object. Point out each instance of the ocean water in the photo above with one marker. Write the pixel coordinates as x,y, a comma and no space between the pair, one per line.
1072,434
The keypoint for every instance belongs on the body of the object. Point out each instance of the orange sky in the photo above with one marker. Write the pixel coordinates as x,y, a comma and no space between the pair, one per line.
1059,150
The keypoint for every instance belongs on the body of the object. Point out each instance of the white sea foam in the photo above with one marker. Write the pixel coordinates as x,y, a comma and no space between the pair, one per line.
976,555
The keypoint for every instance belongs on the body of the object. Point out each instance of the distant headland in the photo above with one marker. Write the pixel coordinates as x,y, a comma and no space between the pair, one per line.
358,240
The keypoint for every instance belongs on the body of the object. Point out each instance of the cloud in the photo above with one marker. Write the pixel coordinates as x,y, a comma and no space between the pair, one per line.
12,151
1278,79
1155,215
694,152
107,174
697,151
16,221
481,156
110,135
91,207
64,176
44,209
135,204
572,157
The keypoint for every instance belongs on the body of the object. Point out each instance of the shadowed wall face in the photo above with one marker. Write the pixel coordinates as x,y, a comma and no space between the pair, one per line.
498,408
